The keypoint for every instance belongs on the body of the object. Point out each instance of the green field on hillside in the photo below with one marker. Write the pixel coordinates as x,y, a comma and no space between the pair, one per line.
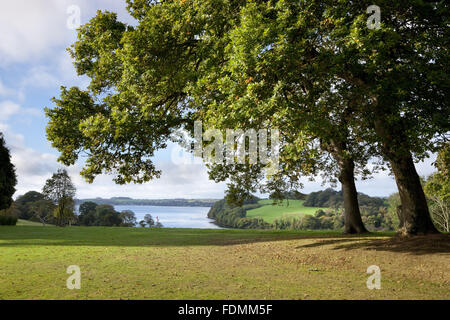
288,209
142,263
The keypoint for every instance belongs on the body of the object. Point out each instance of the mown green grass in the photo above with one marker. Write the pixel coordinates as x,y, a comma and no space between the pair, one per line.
138,263
287,209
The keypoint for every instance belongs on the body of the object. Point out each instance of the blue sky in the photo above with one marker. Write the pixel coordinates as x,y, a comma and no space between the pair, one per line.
34,63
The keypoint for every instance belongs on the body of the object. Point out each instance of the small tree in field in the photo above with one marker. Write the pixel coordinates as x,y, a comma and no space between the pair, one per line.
43,210
158,224
149,220
142,223
128,218
87,212
60,190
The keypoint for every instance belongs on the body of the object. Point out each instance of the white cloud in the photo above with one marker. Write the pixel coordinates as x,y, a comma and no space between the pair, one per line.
426,167
7,109
31,30
31,163
32,167
11,138
40,77
177,181
381,185
60,72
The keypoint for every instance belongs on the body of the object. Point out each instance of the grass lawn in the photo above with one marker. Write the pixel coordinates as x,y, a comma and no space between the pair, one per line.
269,212
138,263
28,223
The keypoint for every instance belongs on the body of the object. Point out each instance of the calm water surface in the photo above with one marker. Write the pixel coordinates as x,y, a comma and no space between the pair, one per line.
174,217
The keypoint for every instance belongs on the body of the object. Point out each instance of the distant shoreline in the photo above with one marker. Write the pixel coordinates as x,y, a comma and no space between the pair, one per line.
123,201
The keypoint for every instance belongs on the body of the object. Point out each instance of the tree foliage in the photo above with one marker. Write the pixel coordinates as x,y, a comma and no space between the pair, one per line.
149,220
311,68
437,190
93,214
8,179
61,191
43,210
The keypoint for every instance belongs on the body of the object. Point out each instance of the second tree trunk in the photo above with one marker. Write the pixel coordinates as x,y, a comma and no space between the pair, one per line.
352,214
413,214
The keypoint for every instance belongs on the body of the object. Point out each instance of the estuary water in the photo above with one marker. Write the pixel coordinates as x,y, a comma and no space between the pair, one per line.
174,217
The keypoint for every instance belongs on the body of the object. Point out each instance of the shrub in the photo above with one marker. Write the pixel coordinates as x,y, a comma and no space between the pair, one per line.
310,223
8,221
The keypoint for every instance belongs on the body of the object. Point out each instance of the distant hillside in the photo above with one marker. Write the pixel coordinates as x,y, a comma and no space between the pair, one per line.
269,211
229,216
124,201
321,210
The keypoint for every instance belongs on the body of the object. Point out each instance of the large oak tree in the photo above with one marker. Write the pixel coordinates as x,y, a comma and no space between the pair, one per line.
312,67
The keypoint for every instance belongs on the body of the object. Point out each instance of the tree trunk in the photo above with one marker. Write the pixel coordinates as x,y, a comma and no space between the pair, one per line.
61,212
352,214
413,214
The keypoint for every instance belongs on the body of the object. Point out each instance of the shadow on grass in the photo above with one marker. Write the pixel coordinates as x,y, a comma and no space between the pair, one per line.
141,237
418,245
105,236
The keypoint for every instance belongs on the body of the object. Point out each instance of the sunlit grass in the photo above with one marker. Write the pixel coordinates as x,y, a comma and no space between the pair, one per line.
141,263
286,209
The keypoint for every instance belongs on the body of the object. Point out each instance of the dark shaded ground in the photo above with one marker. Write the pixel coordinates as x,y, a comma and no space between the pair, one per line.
439,243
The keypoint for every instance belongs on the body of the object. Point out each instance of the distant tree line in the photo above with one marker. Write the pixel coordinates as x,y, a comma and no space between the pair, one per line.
333,219
54,205
228,216
378,214
35,206
330,198
93,214
374,212
291,195
125,201
150,222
